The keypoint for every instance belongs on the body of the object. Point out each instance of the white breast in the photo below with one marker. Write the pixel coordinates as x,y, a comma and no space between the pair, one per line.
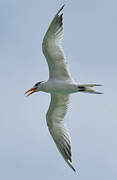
60,86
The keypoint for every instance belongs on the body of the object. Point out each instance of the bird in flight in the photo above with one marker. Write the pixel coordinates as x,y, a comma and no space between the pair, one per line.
60,85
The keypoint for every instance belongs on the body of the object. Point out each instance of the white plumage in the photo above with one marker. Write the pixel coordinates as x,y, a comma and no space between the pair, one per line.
55,121
60,85
53,51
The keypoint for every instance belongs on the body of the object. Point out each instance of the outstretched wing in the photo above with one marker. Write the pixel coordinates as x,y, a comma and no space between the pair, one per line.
58,68
55,121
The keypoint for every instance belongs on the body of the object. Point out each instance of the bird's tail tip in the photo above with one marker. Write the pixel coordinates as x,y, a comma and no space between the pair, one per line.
87,88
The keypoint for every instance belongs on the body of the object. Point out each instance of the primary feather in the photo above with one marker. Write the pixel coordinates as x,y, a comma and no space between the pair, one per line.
58,68
55,121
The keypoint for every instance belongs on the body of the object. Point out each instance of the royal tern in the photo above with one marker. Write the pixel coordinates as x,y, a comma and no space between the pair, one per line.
60,85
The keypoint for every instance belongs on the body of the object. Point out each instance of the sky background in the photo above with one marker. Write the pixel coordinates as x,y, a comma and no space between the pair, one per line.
27,150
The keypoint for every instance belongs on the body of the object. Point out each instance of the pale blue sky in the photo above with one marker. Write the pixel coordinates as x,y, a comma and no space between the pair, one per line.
27,150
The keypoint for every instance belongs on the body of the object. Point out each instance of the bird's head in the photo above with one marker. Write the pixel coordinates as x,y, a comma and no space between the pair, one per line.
35,88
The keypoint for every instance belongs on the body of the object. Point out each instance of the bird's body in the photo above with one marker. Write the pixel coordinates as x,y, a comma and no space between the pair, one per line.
60,85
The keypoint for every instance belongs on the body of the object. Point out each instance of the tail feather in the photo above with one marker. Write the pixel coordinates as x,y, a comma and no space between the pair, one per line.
87,88
91,85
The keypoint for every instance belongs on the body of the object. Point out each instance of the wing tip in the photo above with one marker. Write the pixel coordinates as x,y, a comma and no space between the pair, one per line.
70,164
61,9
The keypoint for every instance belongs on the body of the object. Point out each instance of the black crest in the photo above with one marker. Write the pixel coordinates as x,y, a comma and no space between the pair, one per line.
38,83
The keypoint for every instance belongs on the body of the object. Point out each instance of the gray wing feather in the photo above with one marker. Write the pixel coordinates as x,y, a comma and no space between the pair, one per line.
55,121
51,46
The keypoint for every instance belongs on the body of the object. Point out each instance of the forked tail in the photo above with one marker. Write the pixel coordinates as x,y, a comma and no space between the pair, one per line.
87,88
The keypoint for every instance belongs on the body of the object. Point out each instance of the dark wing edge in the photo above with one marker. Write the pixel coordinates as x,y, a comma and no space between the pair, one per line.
55,121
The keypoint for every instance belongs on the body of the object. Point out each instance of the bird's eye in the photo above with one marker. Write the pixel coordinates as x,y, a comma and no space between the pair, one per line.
36,84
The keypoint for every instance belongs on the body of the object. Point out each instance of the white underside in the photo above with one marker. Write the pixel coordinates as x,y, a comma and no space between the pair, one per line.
55,86
59,85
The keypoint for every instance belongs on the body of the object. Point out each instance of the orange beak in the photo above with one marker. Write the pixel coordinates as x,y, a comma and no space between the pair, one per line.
32,90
